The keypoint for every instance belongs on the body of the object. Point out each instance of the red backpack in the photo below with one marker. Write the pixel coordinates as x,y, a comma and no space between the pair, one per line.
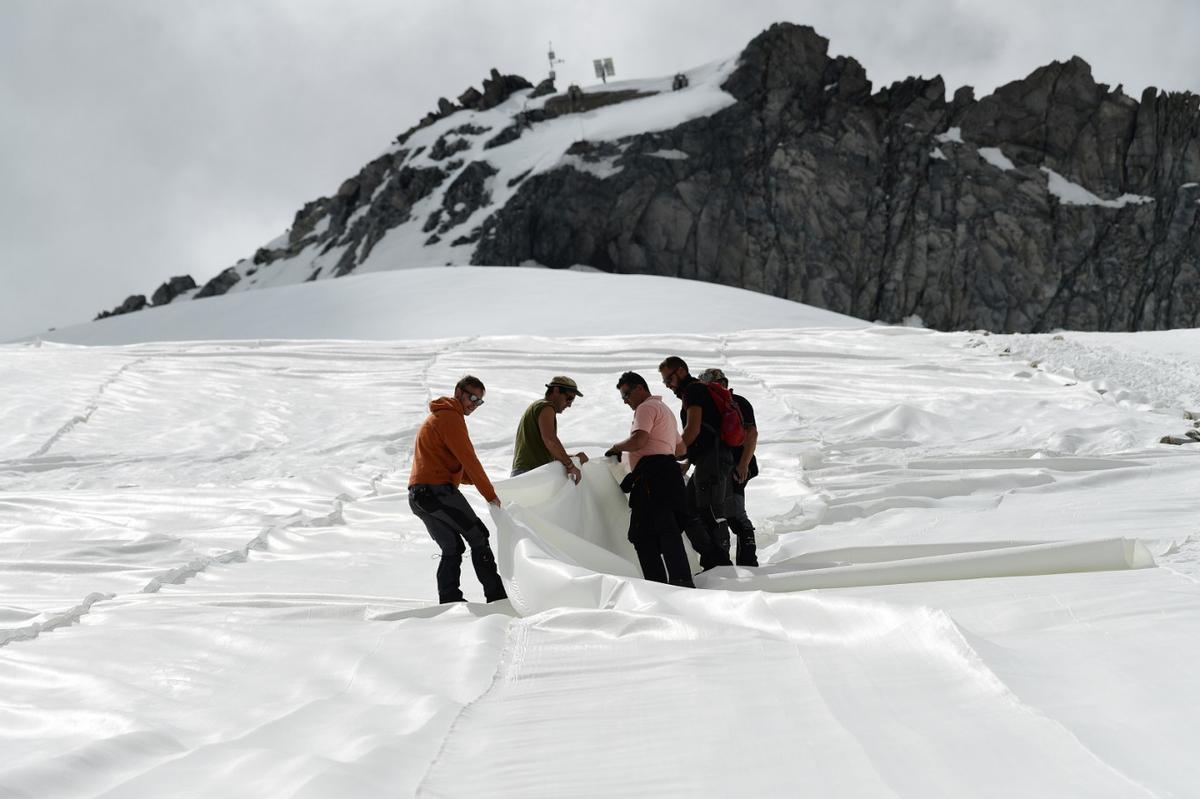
733,427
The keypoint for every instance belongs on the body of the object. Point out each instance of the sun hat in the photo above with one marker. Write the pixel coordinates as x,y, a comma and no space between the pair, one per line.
564,382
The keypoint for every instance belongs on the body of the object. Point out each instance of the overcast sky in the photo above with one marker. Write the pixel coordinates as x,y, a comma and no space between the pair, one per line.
141,139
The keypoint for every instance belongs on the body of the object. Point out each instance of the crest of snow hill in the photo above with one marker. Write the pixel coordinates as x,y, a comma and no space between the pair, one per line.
1053,203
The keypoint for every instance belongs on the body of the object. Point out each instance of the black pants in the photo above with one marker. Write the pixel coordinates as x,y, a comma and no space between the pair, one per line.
740,524
450,520
656,514
707,530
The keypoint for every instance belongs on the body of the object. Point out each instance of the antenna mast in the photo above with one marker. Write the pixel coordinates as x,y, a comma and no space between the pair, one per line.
553,61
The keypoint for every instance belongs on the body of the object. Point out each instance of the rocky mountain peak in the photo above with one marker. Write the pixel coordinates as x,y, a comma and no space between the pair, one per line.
1053,202
782,63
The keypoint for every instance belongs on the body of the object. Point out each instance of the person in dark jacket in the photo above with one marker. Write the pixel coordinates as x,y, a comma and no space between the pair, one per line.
657,502
443,459
745,467
707,529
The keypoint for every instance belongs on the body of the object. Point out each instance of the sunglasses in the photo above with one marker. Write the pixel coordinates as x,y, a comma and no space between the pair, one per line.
474,399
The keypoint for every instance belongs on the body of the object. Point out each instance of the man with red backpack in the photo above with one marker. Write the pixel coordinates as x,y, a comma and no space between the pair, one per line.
745,466
707,529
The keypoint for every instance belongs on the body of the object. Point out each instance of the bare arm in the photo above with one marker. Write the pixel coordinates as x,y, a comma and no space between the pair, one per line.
748,447
548,427
636,440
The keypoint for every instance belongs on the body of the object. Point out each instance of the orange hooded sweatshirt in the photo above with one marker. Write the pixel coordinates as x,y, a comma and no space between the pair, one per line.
443,454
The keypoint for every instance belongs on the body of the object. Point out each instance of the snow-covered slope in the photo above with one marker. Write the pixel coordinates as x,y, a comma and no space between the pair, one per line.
467,301
212,584
541,147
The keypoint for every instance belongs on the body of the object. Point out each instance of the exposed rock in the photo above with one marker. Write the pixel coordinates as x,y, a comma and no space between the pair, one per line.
172,289
220,284
134,302
445,107
470,98
497,88
470,238
812,188
364,207
467,194
519,178
815,187
442,149
391,207
433,221
543,88
509,134
470,130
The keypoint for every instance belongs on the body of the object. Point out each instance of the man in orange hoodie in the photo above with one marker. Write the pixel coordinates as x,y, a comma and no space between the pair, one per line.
443,459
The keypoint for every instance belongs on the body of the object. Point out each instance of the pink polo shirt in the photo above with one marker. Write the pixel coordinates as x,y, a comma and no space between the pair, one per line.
657,420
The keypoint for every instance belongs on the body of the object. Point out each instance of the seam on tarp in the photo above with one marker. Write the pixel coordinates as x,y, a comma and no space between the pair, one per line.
92,407
511,654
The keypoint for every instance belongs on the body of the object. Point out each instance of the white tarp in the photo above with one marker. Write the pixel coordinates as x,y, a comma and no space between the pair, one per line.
998,670
211,583
559,541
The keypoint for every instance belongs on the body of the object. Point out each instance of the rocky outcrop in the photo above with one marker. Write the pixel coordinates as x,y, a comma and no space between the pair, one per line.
172,289
496,89
1053,202
219,284
812,188
352,221
134,302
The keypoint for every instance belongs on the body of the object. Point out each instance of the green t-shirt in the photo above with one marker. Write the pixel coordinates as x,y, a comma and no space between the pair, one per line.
530,451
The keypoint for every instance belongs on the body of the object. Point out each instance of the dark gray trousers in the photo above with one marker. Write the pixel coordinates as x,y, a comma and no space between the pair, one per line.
740,524
449,519
707,529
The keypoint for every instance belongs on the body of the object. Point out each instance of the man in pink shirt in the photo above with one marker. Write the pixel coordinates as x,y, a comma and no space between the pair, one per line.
657,497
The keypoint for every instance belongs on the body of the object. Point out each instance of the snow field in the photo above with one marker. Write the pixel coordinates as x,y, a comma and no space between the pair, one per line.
212,583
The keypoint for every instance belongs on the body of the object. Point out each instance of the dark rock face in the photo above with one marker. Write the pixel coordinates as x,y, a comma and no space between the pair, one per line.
470,130
812,188
134,302
466,195
172,289
220,284
496,89
365,207
392,207
470,98
443,149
